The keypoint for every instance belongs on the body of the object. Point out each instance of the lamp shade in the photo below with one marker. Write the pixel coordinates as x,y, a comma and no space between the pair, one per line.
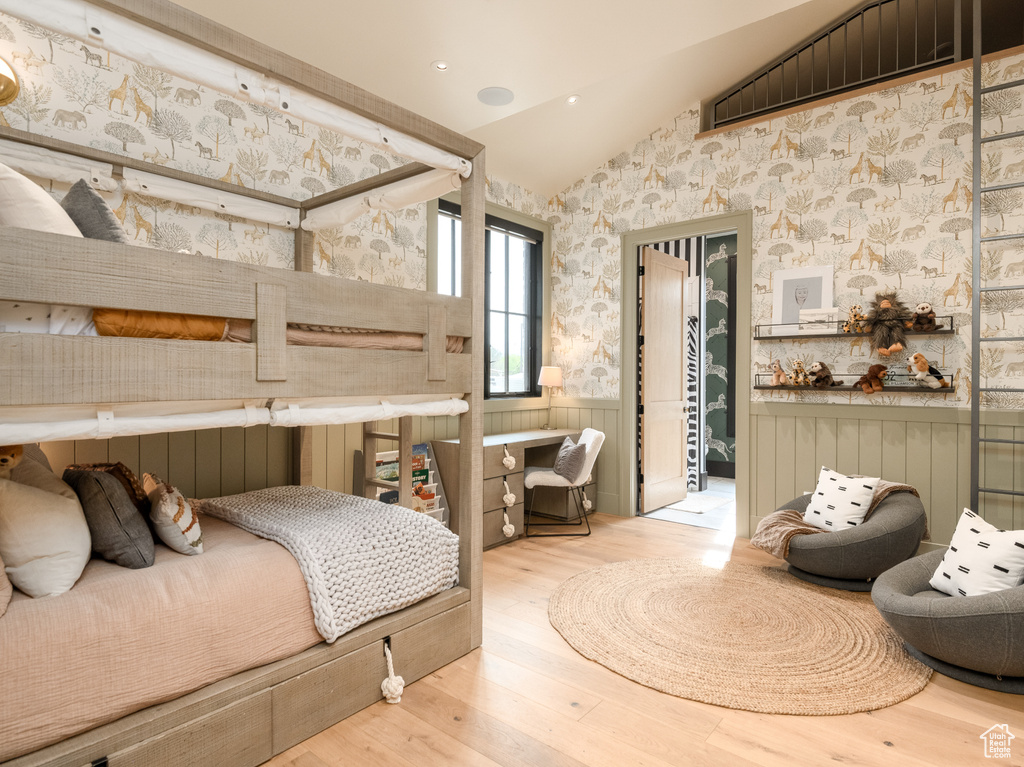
9,85
550,376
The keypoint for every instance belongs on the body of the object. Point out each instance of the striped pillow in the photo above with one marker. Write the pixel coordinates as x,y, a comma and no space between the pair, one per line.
174,520
838,501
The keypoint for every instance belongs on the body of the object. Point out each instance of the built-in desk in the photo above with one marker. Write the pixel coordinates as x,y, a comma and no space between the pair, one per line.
537,447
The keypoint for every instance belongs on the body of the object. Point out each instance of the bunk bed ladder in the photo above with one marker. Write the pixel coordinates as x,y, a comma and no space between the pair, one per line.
979,291
404,439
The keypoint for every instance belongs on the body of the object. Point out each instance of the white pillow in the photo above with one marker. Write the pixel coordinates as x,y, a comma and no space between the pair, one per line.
980,559
25,204
838,501
44,538
175,521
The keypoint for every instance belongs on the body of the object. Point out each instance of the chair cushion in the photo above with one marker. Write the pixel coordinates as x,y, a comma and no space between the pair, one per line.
538,476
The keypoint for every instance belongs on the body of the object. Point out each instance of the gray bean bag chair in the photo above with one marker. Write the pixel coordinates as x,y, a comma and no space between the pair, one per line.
978,640
850,559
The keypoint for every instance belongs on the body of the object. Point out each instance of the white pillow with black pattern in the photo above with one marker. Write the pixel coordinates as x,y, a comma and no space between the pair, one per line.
838,501
980,559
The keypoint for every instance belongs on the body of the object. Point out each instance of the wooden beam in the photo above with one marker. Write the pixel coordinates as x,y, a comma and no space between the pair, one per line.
435,342
269,333
197,30
89,153
366,185
405,461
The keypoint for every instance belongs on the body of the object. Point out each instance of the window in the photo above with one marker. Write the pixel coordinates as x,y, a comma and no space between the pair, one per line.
512,298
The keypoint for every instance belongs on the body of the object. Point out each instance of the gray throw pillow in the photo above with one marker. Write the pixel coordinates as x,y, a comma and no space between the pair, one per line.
570,458
91,214
119,532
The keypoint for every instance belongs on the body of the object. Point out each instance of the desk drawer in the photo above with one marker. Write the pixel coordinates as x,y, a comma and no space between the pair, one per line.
494,489
494,521
495,454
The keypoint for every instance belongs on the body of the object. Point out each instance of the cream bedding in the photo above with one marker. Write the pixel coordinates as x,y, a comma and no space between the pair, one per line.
122,640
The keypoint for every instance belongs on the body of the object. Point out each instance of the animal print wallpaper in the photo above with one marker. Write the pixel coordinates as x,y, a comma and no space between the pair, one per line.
877,186
89,96
721,444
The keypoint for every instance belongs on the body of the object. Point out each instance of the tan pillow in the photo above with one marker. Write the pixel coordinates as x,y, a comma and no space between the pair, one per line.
44,538
6,589
174,520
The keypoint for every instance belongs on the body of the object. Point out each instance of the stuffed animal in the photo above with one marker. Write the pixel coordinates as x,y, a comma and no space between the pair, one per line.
856,322
886,322
872,380
779,377
924,319
822,376
798,377
10,456
925,375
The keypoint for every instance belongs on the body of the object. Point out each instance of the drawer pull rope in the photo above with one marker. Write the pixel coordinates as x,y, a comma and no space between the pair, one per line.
393,686
509,498
508,461
508,529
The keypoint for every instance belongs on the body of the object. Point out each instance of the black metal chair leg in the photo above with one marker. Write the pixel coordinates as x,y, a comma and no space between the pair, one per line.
581,518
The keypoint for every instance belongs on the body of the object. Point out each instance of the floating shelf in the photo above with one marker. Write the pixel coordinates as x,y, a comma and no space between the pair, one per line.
849,389
764,332
895,383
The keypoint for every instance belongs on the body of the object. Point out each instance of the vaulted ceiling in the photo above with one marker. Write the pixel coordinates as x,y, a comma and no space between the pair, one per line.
635,65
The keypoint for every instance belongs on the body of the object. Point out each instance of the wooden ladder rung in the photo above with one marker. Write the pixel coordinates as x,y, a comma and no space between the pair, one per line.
388,484
380,435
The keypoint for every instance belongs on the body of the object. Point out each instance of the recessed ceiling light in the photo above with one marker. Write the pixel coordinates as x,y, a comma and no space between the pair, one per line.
496,97
440,66
573,100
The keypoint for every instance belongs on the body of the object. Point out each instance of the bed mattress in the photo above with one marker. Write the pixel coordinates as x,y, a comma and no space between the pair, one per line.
177,626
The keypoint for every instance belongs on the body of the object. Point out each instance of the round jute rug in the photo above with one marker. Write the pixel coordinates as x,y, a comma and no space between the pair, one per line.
745,637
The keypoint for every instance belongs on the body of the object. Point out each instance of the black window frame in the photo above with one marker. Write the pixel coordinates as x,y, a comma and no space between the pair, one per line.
534,298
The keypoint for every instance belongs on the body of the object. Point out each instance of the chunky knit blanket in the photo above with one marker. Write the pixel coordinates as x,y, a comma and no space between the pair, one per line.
361,558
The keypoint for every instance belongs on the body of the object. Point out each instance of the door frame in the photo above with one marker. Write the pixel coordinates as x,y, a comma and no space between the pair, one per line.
743,223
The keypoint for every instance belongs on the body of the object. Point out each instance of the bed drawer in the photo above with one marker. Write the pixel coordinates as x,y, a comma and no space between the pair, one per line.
422,649
495,454
239,734
494,521
313,701
494,490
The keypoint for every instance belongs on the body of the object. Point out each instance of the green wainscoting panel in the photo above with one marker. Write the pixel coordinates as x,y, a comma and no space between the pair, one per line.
928,448
202,464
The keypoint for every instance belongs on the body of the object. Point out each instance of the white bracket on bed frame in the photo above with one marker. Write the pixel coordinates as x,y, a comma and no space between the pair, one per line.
436,343
271,332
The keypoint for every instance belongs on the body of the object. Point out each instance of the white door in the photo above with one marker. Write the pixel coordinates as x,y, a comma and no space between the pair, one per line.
663,365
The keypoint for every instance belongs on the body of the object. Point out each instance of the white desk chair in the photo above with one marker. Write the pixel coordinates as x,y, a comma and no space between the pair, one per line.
539,476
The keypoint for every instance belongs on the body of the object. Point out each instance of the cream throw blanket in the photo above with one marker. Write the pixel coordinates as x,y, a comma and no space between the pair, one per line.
777,529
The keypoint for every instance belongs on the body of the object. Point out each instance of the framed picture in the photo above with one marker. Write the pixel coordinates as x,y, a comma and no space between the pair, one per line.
819,320
795,290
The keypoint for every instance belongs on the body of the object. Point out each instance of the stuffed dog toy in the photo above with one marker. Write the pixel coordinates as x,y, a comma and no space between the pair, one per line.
924,373
10,456
779,377
871,381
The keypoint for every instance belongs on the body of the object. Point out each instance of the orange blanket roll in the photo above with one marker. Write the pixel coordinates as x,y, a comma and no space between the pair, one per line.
142,324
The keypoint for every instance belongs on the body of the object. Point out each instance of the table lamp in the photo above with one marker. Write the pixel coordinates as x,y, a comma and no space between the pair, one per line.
550,377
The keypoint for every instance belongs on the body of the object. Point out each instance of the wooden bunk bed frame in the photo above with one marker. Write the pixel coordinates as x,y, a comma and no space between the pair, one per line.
248,718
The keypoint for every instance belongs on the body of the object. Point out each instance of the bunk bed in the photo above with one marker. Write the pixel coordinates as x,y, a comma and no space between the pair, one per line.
47,381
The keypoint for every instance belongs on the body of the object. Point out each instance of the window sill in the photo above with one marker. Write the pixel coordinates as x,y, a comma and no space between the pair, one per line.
515,403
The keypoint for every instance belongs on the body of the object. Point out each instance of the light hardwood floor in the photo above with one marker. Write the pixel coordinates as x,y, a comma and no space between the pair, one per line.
526,698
